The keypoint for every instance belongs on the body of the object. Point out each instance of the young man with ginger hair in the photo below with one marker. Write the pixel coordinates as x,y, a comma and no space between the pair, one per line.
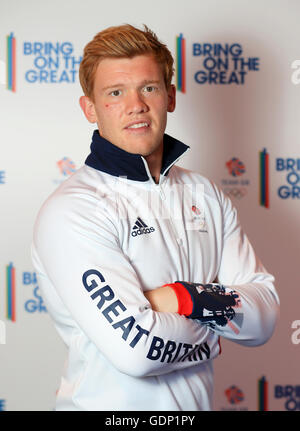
143,265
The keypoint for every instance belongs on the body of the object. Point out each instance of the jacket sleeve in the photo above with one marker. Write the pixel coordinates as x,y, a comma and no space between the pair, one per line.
257,305
89,284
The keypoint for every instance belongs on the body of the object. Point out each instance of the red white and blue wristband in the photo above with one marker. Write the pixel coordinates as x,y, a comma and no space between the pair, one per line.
206,302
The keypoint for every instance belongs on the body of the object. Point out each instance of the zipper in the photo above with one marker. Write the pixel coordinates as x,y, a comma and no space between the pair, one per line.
170,218
162,193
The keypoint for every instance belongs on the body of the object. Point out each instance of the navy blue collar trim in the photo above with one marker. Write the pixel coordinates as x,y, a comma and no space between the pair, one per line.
108,158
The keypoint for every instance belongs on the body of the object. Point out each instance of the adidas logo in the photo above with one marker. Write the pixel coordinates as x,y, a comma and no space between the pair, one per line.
140,228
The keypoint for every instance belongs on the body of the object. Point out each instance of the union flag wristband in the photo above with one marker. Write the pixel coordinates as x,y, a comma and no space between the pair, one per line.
203,301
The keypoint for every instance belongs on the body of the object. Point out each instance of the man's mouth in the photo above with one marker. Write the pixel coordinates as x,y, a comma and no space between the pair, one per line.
138,125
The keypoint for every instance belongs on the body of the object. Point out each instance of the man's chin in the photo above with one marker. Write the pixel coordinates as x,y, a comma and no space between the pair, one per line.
144,149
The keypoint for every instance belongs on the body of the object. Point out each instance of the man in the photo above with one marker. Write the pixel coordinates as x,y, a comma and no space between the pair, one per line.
142,264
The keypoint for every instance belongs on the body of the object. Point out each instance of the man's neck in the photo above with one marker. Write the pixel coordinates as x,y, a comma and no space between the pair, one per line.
154,161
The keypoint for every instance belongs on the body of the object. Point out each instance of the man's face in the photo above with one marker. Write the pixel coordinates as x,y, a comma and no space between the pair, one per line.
130,103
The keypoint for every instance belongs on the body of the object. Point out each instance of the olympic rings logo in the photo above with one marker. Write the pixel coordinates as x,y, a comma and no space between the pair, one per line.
235,192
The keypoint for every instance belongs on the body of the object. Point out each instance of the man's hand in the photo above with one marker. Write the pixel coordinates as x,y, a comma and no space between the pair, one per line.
209,303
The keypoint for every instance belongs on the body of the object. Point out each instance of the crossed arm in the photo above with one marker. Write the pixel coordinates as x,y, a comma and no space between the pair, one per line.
244,313
76,260
163,299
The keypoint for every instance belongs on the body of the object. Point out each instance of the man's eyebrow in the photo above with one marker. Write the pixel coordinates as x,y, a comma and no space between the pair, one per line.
149,81
117,85
121,85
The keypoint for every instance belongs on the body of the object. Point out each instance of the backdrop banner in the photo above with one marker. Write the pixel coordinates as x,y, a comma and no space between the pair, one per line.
238,108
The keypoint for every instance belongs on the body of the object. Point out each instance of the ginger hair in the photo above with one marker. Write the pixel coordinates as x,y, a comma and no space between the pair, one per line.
124,41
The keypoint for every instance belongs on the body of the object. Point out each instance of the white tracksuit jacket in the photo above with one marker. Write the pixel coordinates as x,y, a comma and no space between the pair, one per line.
108,234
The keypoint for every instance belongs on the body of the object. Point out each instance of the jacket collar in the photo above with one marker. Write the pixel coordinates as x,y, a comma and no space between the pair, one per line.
108,158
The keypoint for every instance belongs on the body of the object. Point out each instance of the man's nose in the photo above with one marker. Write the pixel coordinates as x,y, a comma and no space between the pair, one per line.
136,103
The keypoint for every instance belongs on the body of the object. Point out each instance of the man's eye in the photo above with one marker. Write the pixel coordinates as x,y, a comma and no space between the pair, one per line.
115,93
149,89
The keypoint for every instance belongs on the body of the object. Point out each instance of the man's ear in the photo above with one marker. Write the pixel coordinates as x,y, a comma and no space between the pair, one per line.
88,109
171,98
